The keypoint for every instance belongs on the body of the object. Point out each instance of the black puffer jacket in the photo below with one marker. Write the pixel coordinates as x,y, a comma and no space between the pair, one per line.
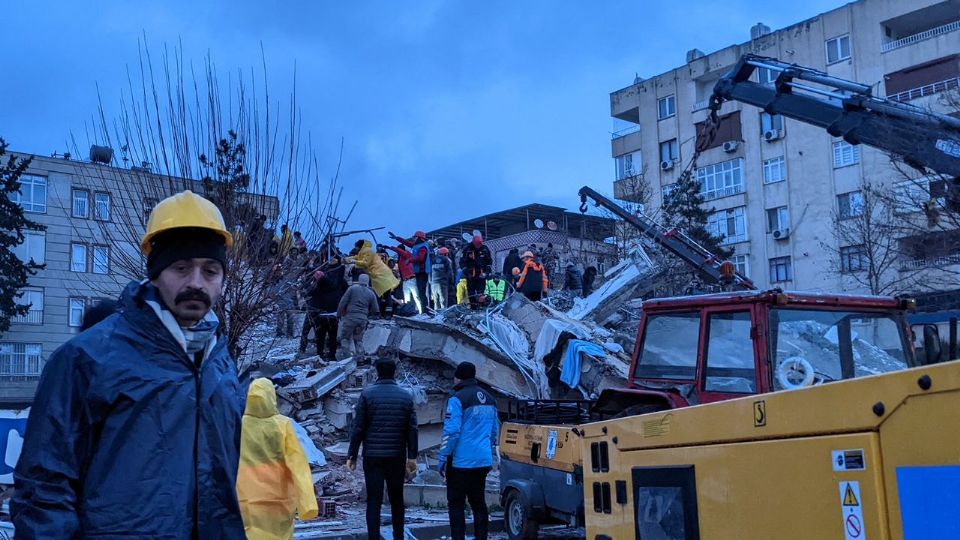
327,292
386,422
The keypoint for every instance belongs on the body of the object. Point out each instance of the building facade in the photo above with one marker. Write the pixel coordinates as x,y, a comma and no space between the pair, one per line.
778,187
94,215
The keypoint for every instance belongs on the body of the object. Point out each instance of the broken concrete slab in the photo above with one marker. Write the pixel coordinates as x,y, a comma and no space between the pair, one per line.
317,383
339,408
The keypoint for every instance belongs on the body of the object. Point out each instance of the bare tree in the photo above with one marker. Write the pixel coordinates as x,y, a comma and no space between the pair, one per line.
226,138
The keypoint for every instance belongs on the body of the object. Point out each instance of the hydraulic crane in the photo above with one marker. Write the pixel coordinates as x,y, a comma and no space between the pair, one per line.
924,140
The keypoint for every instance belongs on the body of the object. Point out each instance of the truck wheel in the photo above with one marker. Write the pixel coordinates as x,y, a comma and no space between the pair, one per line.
520,524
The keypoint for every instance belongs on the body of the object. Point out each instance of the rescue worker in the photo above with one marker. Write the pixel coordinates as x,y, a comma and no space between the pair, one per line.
135,426
381,277
533,278
463,292
386,425
422,266
441,278
299,242
511,261
476,263
408,278
496,289
573,280
588,278
468,451
274,482
356,307
286,240
323,300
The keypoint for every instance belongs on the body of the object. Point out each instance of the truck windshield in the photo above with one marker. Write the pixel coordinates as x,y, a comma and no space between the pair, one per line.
816,346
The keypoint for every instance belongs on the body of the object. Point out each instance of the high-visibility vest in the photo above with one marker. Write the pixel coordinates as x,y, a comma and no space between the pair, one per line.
496,291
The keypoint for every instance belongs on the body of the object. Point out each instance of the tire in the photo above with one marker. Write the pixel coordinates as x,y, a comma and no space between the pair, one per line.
518,521
635,410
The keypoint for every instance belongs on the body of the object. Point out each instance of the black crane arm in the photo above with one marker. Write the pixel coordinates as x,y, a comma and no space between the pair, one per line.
706,264
920,138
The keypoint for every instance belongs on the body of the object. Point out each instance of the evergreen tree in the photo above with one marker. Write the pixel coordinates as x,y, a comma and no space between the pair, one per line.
13,272
683,209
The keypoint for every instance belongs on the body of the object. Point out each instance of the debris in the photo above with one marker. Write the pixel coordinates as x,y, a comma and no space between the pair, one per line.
317,383
314,455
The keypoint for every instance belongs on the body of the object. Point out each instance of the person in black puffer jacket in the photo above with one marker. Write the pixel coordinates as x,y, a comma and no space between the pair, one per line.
386,425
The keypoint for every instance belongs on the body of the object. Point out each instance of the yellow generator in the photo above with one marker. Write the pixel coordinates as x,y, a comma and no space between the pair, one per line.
870,458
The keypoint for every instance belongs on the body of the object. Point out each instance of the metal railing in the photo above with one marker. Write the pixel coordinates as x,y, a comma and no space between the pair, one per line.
34,316
916,38
943,260
926,90
625,131
700,105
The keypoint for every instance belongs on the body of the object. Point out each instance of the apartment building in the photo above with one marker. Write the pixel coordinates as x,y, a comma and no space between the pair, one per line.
94,216
776,185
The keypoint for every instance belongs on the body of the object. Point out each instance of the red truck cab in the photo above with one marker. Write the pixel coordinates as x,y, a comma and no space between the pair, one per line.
701,349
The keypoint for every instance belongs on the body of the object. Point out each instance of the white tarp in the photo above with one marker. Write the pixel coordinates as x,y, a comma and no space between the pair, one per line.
314,455
13,426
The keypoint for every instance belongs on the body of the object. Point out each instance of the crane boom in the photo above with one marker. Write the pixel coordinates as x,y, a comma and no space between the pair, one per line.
920,138
705,263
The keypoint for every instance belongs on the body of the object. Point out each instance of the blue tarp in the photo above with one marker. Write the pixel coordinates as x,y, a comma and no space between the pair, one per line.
570,374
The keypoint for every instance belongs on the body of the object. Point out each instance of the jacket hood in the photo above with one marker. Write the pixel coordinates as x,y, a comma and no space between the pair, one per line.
262,399
367,244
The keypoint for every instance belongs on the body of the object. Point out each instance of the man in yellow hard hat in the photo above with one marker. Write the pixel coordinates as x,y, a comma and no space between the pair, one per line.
135,427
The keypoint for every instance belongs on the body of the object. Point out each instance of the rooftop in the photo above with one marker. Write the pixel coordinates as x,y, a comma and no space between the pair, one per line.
525,218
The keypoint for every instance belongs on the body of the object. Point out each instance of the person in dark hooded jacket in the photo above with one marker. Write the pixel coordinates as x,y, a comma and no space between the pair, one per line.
322,302
135,427
512,261
573,280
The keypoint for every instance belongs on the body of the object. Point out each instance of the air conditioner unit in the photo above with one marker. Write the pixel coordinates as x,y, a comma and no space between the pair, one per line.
781,234
772,135
666,165
730,146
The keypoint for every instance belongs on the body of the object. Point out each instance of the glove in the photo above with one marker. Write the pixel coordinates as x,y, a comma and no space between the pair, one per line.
442,466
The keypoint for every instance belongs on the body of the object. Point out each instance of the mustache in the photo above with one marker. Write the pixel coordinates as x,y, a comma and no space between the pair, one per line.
193,295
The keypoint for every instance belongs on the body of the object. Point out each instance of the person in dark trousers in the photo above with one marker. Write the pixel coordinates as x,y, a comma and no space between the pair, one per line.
441,278
573,280
356,307
511,261
386,426
135,428
533,278
588,279
476,262
408,279
322,302
471,431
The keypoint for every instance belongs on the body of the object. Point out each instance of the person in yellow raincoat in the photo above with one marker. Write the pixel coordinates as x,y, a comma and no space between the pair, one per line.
381,277
274,481
463,295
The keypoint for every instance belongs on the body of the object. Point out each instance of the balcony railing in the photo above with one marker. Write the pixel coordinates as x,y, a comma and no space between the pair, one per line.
625,131
34,316
935,262
700,105
916,38
20,367
926,90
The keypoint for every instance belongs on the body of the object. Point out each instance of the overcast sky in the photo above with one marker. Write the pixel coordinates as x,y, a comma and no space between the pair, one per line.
449,110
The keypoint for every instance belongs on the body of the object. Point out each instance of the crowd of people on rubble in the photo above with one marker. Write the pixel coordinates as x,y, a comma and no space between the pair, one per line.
415,275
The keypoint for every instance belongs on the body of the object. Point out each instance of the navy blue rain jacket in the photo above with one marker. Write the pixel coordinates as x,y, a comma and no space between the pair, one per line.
128,439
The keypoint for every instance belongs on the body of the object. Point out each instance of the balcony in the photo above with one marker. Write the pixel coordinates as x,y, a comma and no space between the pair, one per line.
626,143
933,262
700,105
625,131
34,316
926,90
630,188
920,36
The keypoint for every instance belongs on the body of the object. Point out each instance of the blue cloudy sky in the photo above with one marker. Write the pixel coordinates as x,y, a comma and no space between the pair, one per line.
448,109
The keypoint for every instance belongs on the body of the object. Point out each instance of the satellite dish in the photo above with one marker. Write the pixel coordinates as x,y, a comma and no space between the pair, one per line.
476,232
466,237
538,223
551,225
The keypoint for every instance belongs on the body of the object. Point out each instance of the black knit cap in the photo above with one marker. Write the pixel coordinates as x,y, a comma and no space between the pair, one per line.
183,243
465,370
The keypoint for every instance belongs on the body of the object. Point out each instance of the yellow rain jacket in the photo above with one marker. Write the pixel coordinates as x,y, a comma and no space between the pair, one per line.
463,293
381,277
286,242
274,481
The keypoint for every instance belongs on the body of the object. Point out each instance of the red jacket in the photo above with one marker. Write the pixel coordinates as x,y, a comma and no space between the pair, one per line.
404,262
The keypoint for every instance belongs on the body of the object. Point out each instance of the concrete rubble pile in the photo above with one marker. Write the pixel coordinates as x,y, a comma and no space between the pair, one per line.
522,349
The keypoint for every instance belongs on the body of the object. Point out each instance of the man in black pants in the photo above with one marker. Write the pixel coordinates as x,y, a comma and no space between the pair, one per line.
471,433
386,425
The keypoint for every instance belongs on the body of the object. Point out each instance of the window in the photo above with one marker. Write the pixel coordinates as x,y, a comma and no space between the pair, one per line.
721,179
75,311
766,75
729,129
78,257
742,264
33,193
666,107
774,170
628,165
730,364
850,205
780,270
101,260
669,151
33,298
778,219
20,361
854,258
770,122
845,154
34,247
81,203
838,49
101,206
668,190
670,346
730,225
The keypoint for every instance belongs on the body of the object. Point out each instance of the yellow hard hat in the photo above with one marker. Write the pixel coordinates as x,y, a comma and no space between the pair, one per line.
185,209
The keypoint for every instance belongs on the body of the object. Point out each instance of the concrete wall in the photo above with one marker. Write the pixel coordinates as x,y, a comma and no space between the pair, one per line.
813,183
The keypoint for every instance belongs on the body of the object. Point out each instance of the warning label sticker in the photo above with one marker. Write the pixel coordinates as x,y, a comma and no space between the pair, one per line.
848,460
851,506
552,445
